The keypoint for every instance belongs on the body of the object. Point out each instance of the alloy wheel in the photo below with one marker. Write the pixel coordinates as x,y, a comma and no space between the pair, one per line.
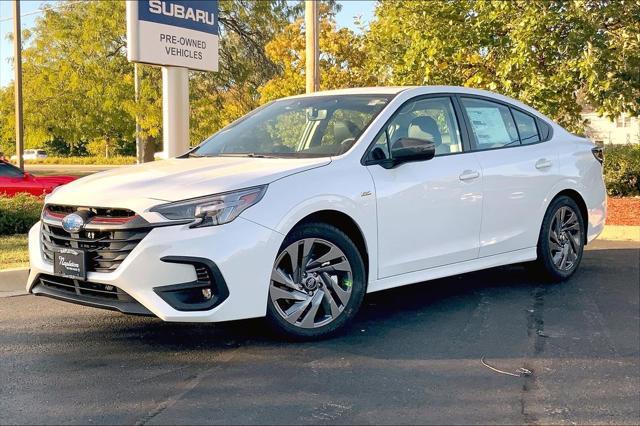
565,238
311,283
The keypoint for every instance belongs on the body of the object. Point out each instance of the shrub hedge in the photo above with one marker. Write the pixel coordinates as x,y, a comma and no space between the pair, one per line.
622,169
116,160
19,213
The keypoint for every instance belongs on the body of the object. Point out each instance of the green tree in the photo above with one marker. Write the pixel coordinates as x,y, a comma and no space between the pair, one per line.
7,125
342,57
545,53
78,84
246,27
76,75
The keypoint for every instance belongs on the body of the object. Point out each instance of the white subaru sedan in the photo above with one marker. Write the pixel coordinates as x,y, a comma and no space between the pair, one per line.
299,208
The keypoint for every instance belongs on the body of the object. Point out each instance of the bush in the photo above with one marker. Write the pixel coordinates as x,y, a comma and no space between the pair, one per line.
19,213
622,169
117,160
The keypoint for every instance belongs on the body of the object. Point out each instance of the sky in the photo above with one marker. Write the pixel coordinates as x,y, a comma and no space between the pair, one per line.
345,18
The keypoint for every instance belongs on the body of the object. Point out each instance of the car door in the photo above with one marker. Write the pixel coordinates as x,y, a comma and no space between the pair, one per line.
428,212
518,171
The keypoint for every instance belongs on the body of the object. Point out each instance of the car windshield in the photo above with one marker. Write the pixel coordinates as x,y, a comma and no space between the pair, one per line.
317,126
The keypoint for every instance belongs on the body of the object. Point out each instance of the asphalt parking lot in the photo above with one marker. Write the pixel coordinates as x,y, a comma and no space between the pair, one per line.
413,356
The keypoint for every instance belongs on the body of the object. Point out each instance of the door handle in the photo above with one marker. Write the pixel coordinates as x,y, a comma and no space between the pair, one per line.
469,174
543,163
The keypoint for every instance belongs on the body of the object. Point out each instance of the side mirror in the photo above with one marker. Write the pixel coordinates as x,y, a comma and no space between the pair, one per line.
407,150
27,175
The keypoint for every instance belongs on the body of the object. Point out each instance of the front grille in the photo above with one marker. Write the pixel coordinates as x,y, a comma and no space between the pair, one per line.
84,288
95,211
106,249
98,295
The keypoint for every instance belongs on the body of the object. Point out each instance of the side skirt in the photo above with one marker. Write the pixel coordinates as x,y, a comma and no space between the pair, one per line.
517,256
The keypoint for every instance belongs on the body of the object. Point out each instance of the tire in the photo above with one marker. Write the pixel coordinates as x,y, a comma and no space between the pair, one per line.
325,292
561,240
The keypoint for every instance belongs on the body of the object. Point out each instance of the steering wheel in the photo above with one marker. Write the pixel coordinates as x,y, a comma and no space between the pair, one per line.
346,144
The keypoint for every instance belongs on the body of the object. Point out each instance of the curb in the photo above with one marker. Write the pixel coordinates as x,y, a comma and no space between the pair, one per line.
13,282
24,268
620,233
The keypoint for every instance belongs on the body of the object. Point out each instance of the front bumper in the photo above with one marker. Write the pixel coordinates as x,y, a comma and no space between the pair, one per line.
242,251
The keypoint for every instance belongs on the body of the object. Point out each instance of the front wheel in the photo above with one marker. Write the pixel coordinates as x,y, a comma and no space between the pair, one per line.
561,241
317,282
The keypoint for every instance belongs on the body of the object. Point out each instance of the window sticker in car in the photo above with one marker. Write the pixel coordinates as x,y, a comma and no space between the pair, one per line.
488,125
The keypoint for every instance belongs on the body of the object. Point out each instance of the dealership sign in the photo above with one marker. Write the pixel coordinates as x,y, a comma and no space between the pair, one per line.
173,33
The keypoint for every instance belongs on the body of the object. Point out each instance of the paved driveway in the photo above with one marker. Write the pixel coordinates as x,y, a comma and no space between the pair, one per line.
413,356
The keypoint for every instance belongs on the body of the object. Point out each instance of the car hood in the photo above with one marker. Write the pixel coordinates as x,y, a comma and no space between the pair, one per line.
142,186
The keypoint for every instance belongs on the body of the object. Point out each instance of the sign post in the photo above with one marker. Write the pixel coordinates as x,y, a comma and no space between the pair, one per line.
175,111
178,35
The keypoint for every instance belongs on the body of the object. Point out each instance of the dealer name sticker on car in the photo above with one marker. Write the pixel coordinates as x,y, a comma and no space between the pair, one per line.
69,263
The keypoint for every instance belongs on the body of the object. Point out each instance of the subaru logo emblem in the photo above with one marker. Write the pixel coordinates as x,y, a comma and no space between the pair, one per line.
73,223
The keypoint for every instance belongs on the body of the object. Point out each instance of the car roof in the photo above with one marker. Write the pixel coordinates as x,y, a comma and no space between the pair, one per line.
422,90
391,90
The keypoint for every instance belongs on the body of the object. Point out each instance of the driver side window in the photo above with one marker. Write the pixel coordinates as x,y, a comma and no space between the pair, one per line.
430,119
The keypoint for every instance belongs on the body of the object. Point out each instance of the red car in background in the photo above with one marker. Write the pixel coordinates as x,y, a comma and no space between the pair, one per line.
14,181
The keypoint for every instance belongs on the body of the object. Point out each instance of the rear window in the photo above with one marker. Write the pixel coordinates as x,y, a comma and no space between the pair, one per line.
545,130
526,127
7,170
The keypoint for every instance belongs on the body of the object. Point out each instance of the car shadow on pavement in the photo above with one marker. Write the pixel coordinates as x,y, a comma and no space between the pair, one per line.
410,309
462,316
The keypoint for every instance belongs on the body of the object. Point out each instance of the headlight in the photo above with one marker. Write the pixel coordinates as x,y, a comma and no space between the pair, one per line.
212,210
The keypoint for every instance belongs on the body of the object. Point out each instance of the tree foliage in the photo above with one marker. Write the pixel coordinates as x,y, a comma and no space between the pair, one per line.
543,53
554,55
342,57
78,84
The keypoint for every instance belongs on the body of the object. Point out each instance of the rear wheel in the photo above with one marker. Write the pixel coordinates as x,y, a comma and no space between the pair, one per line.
561,241
317,282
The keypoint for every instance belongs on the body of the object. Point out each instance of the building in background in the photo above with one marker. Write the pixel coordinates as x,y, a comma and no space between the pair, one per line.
623,130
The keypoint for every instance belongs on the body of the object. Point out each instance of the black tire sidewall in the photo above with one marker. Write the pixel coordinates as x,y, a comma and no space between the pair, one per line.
358,289
545,261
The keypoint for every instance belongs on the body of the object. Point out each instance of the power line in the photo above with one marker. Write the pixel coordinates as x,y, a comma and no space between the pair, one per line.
37,11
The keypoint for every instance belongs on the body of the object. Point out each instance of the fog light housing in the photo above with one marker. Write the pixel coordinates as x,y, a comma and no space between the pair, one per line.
208,291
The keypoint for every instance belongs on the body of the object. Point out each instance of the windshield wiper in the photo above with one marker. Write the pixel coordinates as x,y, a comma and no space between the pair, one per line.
247,154
253,155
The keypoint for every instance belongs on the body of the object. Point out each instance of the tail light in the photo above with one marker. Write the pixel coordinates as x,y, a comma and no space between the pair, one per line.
598,152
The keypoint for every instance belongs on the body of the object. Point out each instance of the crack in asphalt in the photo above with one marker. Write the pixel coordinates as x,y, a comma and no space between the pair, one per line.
185,387
535,332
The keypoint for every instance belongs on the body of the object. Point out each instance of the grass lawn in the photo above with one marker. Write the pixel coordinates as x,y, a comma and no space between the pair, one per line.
13,251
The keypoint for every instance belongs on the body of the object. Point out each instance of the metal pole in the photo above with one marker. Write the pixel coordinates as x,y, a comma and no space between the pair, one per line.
175,111
311,41
17,82
136,86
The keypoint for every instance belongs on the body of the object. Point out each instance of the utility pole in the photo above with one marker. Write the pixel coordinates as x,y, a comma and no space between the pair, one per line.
311,41
136,88
17,82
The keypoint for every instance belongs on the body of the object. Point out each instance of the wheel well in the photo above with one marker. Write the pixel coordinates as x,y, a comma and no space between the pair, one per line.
575,196
344,223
